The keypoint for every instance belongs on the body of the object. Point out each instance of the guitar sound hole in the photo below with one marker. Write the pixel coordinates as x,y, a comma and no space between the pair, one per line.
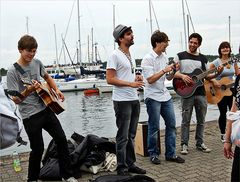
223,87
194,78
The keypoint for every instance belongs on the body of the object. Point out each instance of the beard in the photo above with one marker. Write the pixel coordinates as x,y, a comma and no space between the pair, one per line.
193,50
131,42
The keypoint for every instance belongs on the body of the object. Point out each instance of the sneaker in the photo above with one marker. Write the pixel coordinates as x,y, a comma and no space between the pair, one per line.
176,159
184,150
223,138
155,160
203,148
71,179
137,170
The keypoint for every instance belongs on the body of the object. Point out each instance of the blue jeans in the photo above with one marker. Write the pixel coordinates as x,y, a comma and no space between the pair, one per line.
166,110
127,115
200,104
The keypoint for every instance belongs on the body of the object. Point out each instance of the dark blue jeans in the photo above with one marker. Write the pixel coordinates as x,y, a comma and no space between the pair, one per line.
127,115
48,121
166,110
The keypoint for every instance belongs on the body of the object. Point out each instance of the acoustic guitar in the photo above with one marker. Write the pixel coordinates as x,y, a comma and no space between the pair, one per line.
49,96
215,94
186,90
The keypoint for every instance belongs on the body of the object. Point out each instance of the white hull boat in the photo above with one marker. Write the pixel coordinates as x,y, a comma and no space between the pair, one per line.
81,84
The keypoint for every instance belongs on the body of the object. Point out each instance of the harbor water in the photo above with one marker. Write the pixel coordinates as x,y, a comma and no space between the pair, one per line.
95,115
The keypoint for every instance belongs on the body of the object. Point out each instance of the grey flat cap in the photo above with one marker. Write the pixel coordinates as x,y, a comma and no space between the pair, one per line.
119,30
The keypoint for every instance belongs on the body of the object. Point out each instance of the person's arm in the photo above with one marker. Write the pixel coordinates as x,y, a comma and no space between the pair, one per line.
156,76
112,80
236,69
187,79
159,74
216,73
228,153
53,86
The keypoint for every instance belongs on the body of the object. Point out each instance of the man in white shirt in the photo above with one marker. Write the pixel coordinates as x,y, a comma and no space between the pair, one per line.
158,99
121,74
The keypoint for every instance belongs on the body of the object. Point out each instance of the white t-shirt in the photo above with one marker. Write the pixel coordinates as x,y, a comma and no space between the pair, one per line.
119,62
151,64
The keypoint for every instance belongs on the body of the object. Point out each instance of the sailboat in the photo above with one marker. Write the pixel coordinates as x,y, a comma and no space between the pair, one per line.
90,74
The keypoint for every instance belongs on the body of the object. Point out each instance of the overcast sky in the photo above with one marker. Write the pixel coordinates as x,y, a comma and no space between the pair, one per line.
210,19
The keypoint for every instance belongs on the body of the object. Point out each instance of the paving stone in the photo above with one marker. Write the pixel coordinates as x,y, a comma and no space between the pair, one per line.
199,166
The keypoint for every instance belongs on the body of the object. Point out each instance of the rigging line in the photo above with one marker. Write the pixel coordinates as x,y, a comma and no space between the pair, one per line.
69,55
155,15
190,16
66,29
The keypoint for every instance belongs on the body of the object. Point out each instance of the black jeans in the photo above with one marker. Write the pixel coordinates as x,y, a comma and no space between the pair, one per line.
223,106
236,165
127,115
48,121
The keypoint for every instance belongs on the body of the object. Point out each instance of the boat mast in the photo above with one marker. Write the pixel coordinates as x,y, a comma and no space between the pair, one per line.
150,14
88,52
229,29
55,35
79,57
114,43
27,24
184,24
92,46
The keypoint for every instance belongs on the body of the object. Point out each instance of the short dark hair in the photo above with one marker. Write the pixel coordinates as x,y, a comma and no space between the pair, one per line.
158,37
27,42
197,36
224,44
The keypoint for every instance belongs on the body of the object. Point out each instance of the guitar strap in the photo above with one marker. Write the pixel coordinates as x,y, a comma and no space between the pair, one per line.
19,68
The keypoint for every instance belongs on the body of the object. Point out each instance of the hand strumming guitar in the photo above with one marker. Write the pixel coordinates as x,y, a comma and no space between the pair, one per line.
60,94
215,83
187,79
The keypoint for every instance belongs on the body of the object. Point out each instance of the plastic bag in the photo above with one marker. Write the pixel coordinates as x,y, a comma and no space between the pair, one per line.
235,135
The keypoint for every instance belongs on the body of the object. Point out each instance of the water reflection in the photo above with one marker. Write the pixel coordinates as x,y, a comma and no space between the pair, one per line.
95,115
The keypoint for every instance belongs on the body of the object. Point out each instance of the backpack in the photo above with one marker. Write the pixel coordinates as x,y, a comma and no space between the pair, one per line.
10,121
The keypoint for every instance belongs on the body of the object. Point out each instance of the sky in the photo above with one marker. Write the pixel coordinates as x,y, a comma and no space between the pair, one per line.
50,21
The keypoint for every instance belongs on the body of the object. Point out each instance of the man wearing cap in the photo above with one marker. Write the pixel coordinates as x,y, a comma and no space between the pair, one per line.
158,99
121,74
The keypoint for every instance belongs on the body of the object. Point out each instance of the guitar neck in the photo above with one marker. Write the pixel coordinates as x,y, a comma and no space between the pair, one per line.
230,85
204,74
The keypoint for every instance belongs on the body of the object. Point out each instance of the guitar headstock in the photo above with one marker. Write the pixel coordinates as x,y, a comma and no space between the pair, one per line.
233,60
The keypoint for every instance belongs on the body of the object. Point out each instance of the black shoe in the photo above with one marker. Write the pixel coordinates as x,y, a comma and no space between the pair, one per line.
137,170
155,160
123,172
176,159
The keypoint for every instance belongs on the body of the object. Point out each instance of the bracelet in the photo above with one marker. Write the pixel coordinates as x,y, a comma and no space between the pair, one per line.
163,71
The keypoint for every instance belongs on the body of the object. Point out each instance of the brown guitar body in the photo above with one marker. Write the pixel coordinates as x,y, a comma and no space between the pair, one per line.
48,95
215,94
50,98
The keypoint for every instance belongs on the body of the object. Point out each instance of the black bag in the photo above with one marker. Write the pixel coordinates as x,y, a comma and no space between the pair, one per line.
117,178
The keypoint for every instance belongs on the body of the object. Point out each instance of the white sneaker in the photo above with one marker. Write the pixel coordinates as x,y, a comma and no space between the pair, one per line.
184,150
71,179
223,138
204,148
